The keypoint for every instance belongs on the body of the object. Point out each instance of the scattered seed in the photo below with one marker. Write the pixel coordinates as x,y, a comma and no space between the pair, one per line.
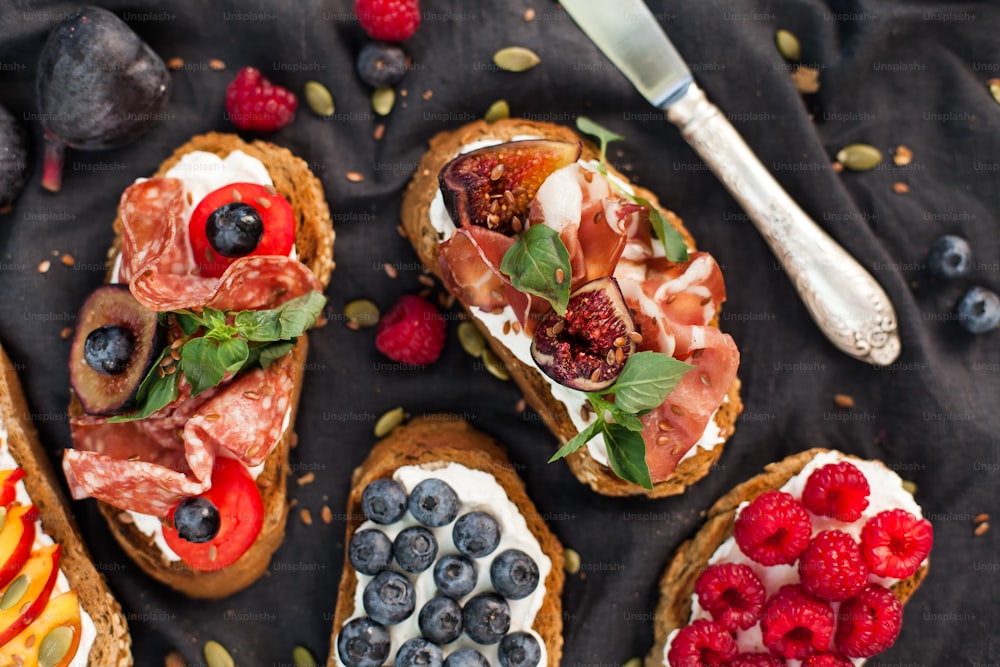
174,659
319,99
189,197
15,591
677,410
496,173
470,339
307,478
389,421
175,63
213,553
379,132
302,657
903,156
558,327
263,202
635,336
390,270
126,518
354,176
788,45
529,15
213,417
44,266
619,355
270,189
425,280
382,100
521,406
251,395
30,641
66,333
55,645
981,529
665,426
306,516
982,518
516,59
705,379
900,188
843,401
235,194
994,85
571,561
806,79
506,327
361,313
837,167
216,655
596,375
497,111
216,65
859,157
493,364
633,662
508,198
326,514
428,94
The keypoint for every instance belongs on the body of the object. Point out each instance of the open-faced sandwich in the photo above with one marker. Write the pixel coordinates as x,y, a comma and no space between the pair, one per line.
186,368
55,607
808,563
447,557
591,294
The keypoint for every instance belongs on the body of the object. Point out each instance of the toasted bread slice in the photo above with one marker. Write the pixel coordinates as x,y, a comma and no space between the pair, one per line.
442,439
314,237
425,239
677,583
113,645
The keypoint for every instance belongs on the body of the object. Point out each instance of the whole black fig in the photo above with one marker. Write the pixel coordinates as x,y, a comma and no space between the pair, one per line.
13,159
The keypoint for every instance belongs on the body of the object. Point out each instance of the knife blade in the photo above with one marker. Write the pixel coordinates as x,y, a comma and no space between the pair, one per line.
846,302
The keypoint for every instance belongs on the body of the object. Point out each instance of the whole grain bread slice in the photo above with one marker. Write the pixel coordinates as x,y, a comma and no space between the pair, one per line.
437,440
314,238
417,199
113,645
677,582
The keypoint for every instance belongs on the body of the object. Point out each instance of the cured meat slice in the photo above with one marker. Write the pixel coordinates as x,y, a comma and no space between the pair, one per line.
153,228
470,266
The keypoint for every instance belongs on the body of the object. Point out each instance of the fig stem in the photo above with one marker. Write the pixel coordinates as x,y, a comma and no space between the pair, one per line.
52,165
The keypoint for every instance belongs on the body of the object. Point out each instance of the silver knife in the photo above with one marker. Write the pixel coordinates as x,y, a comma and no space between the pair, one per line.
846,302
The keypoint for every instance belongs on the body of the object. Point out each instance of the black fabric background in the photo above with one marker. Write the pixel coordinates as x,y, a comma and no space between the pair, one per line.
892,73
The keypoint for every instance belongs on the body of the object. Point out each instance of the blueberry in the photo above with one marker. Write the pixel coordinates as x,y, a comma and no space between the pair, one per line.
476,534
979,310
950,257
513,574
196,519
415,549
389,598
234,229
441,620
434,503
455,576
381,64
108,349
486,618
519,649
466,657
363,643
384,501
370,551
418,652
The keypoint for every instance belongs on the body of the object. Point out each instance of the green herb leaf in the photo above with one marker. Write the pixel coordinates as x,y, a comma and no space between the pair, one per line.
155,392
201,364
535,264
673,241
629,420
646,380
232,354
604,135
274,351
289,320
579,440
627,454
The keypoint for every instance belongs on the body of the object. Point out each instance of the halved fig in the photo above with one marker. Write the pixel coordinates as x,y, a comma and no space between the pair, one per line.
116,341
492,186
587,348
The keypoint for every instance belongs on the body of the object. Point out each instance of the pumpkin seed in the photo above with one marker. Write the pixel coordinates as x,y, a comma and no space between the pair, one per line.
571,561
493,364
389,421
303,658
3,517
216,655
472,341
633,662
497,111
15,592
788,45
995,89
382,100
362,312
55,646
516,59
319,99
859,157
910,487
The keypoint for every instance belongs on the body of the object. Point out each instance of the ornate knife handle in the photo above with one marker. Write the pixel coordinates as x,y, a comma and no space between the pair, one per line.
846,302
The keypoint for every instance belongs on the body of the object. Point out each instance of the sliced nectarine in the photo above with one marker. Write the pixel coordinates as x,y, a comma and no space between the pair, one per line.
16,539
24,599
62,611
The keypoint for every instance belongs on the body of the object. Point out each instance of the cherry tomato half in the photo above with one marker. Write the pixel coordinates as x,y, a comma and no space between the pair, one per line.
274,211
241,516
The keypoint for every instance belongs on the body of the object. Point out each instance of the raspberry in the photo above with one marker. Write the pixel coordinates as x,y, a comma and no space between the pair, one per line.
757,660
837,490
773,529
702,644
732,594
895,543
796,623
832,567
254,103
412,332
869,622
388,20
826,660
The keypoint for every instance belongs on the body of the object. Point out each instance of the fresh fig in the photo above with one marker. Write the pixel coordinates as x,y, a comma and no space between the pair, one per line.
99,86
116,341
586,348
493,186
13,159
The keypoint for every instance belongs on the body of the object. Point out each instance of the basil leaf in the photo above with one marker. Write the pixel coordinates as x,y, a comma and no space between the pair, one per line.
629,420
270,353
604,135
673,240
534,264
289,320
155,392
627,454
579,440
201,364
232,354
188,324
646,380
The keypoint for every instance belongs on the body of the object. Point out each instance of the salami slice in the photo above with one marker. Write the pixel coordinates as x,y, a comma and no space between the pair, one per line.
153,229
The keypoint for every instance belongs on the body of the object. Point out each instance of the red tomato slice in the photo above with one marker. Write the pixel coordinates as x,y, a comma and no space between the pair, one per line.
241,516
276,214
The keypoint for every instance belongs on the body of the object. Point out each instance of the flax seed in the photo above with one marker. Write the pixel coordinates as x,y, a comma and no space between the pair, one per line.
379,132
251,395
213,417
558,327
190,198
664,426
982,518
496,172
306,516
596,375
235,194
216,65
981,529
515,224
44,266
213,553
619,355
508,197
270,189
506,327
354,176
390,270
843,401
705,379
677,410
635,337
175,63
263,203
67,260
307,478
326,514
560,276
